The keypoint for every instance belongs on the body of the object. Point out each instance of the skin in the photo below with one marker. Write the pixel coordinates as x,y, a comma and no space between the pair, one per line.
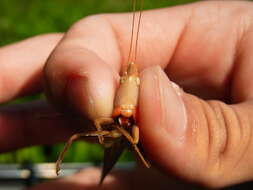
200,131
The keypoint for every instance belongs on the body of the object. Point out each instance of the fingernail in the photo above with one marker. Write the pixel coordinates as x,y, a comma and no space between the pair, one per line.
173,110
91,95
78,95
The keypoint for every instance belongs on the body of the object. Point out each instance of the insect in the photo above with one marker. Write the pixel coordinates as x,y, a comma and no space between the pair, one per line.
120,130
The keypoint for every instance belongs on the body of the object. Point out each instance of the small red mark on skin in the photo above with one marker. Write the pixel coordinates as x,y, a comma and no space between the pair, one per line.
72,91
74,76
70,79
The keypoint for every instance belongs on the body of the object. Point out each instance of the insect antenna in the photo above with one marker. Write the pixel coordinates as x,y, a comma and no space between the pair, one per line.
138,30
132,31
133,49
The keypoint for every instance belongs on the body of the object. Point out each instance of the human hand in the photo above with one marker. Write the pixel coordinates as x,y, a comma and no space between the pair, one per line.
201,134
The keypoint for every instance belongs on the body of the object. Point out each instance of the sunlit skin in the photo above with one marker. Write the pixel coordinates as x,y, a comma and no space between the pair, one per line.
200,132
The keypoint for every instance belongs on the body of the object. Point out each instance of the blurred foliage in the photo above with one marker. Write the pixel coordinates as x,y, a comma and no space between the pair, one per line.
20,19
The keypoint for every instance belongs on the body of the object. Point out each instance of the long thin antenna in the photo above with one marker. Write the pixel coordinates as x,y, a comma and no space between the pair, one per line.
133,50
132,32
138,30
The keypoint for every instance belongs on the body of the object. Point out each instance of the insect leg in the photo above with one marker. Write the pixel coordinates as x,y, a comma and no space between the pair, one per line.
114,134
126,134
144,161
98,124
135,134
71,140
134,140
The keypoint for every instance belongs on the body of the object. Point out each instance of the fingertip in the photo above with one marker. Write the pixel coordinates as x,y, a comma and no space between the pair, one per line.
92,93
162,118
81,80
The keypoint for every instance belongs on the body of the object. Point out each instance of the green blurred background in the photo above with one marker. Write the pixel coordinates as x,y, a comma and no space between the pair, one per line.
20,19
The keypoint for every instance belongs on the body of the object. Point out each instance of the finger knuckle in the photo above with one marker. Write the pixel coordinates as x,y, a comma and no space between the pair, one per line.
90,22
228,138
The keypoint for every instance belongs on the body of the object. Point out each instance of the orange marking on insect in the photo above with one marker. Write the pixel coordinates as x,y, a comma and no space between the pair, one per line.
116,112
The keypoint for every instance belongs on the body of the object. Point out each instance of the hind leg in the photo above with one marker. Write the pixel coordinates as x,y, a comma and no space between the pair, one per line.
72,139
98,124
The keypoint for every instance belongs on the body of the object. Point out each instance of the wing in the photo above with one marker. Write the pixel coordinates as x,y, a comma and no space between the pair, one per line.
111,156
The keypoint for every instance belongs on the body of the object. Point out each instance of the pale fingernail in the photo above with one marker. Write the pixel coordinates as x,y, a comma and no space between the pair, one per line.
173,110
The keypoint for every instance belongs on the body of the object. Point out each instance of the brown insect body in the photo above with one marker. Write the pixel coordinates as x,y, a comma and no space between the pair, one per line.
124,127
119,131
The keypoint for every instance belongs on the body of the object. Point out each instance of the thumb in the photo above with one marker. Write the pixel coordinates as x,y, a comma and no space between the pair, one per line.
206,142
